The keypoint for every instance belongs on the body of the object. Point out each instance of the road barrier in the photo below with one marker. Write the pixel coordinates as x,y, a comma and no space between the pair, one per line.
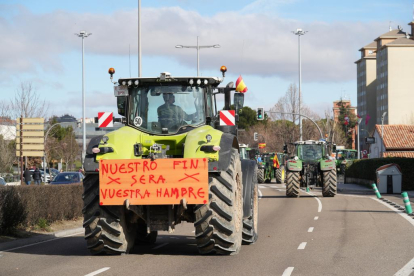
374,186
407,203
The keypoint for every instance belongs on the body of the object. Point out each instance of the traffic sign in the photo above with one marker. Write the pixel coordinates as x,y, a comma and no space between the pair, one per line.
30,137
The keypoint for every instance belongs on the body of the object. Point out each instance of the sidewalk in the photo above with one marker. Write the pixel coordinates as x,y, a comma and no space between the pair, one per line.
349,188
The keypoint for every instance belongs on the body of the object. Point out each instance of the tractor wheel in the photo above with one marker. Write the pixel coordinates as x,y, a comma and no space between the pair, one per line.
250,224
219,223
260,175
280,174
292,184
329,184
143,237
107,228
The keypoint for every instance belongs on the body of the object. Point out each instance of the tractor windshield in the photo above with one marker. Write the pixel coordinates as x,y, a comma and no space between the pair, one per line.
166,109
243,153
351,155
310,152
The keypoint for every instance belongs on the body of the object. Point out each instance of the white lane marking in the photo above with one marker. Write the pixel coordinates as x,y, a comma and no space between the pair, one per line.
288,271
273,186
406,270
161,245
98,271
401,213
40,242
262,187
310,230
302,245
352,195
316,218
317,199
260,194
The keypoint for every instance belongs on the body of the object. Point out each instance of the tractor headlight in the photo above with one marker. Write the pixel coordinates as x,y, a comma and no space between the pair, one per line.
295,158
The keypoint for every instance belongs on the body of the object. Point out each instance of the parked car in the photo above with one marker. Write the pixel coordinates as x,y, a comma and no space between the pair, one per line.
68,178
2,182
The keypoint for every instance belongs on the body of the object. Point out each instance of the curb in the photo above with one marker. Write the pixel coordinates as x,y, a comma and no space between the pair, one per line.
5,246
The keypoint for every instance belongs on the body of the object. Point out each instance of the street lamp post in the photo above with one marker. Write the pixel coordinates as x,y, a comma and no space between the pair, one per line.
359,150
83,34
139,38
198,47
382,132
44,154
299,33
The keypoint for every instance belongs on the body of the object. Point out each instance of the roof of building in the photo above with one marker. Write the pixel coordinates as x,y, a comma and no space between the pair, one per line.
401,41
392,34
397,136
372,45
406,154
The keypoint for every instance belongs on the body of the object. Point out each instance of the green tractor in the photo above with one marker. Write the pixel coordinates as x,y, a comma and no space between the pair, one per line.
344,158
280,170
265,171
311,166
141,178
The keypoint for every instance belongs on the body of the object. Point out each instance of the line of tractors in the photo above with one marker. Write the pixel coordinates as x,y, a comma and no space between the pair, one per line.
309,165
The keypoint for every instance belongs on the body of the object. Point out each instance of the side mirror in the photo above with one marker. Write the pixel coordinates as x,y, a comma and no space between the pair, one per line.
121,102
238,101
285,149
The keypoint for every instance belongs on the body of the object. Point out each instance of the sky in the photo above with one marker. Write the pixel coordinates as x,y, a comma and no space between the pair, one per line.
39,46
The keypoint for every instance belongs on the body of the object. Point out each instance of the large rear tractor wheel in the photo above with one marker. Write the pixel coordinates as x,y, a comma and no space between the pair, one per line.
292,184
260,175
280,174
107,228
219,223
250,224
329,183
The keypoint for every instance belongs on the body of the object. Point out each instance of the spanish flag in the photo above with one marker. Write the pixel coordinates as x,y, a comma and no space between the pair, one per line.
276,162
240,86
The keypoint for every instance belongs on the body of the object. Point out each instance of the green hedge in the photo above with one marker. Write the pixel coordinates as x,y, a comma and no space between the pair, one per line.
365,169
25,205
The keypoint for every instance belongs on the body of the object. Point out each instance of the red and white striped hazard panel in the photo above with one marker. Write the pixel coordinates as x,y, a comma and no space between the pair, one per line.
105,119
227,117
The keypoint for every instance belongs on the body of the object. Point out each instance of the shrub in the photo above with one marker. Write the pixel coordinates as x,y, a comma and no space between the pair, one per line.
365,169
12,210
37,205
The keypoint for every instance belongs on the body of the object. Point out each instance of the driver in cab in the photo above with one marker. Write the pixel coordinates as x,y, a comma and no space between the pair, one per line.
171,115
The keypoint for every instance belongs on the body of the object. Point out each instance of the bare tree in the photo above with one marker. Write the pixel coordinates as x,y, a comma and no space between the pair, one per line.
287,104
27,104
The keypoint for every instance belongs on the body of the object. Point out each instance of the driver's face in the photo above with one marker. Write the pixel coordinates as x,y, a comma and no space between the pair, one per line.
171,99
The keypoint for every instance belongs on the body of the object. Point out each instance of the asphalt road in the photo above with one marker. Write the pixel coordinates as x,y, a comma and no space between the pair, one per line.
311,235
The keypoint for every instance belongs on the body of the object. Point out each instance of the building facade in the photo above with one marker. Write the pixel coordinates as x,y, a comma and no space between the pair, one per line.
384,74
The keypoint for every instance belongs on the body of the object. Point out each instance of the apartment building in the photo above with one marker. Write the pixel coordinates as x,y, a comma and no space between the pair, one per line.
384,74
367,87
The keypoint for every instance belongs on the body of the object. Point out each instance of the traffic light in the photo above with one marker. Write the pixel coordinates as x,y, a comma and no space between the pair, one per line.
260,113
256,136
